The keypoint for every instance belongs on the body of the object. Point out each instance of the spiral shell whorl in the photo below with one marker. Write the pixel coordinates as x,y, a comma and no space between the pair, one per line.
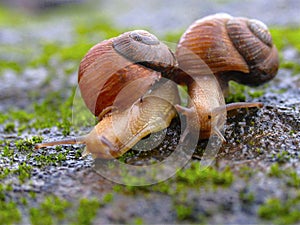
144,37
249,44
260,29
254,42
143,48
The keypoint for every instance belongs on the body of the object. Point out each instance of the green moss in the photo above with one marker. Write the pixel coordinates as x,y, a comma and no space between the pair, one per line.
56,158
118,188
62,53
293,179
86,211
236,92
4,172
98,26
3,117
68,53
275,170
286,36
9,213
138,221
256,93
196,175
32,194
288,175
21,116
10,65
65,126
282,157
239,92
183,212
11,17
49,49
173,36
281,212
9,127
23,171
28,144
193,177
2,194
7,151
246,197
108,197
47,113
132,181
51,211
24,201
280,91
53,111
246,172
295,67
186,210
259,151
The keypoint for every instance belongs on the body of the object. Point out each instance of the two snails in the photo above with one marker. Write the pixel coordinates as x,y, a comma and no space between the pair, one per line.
212,51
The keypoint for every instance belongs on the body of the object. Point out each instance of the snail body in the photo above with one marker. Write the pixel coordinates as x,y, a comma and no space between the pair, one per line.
202,103
119,131
207,109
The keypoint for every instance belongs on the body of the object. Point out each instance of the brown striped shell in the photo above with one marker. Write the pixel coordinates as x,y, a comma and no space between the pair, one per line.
234,48
132,59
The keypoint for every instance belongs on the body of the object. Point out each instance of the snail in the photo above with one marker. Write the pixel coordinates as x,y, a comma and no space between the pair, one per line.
232,48
118,80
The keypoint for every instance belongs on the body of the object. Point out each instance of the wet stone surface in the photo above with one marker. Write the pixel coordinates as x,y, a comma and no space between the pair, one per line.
256,169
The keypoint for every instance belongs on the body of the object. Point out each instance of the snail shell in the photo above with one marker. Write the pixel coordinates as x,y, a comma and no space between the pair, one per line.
113,64
119,131
234,48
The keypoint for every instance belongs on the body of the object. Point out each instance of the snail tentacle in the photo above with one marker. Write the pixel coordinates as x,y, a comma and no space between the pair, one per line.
77,140
215,130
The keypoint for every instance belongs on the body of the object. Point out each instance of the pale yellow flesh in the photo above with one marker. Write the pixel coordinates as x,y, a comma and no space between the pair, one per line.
117,132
